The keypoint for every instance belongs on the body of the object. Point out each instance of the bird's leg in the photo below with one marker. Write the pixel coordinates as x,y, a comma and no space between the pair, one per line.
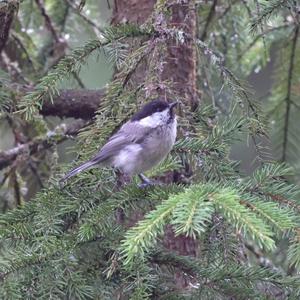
145,181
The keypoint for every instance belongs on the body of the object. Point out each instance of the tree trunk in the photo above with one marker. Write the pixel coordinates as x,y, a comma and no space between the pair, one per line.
132,11
180,63
179,68
6,17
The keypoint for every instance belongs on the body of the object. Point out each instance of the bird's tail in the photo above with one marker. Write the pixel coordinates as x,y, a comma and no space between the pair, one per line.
79,169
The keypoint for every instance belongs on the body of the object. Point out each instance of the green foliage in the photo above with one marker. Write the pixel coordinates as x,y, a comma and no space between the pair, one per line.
95,239
142,237
247,222
236,87
190,213
48,86
270,8
213,279
284,105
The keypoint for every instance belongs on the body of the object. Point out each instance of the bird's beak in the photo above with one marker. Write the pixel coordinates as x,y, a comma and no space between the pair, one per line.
172,105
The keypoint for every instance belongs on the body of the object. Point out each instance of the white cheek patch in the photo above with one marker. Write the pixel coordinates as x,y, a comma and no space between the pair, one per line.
156,119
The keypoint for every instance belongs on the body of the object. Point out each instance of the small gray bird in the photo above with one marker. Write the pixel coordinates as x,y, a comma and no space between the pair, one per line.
140,144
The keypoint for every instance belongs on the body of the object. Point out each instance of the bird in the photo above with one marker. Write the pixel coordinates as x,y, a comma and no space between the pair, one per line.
140,144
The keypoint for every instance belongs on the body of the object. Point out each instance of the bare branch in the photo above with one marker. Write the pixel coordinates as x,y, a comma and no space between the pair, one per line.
74,103
58,135
69,103
48,22
23,48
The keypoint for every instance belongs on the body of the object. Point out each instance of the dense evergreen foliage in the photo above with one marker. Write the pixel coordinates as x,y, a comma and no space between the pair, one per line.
95,239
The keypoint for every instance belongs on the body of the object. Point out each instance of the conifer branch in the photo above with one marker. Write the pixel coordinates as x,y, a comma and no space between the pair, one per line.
294,251
140,238
48,86
33,101
257,279
68,103
282,200
281,219
270,8
239,91
189,212
258,37
192,216
251,226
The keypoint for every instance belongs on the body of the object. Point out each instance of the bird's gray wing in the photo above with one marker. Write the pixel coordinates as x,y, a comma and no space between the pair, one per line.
129,133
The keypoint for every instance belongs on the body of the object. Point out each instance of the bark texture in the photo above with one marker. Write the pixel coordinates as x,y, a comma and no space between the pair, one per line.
7,11
181,66
74,104
132,11
69,103
180,69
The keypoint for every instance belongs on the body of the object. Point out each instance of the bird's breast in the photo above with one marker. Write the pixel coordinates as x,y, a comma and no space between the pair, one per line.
138,158
159,143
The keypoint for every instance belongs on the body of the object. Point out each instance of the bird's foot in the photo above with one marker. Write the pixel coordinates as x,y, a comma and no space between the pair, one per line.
146,182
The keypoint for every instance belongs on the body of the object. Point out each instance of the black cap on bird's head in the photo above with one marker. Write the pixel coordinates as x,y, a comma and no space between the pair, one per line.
152,107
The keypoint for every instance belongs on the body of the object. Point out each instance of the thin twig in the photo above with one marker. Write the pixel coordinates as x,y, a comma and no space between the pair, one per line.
295,104
23,48
209,19
241,55
35,172
288,96
228,8
263,260
78,79
16,188
262,30
247,8
84,17
48,21
209,88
